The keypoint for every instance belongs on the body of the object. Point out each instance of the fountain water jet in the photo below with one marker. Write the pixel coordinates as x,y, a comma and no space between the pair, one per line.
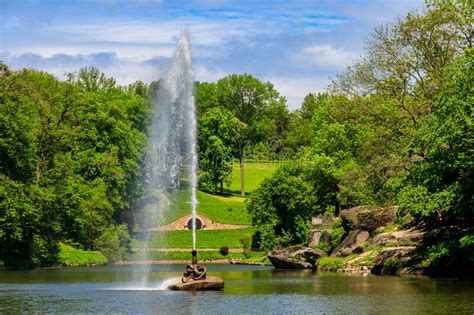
172,146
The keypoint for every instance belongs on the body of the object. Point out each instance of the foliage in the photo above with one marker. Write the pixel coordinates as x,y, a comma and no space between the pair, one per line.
442,179
330,263
438,192
259,116
70,160
70,256
114,243
285,203
219,132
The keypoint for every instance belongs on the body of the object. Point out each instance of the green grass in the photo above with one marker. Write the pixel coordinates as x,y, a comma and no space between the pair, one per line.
222,209
182,255
70,256
330,263
255,173
204,239
229,210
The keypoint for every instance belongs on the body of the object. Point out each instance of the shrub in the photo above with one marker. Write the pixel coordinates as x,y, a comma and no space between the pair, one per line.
114,242
330,263
224,250
264,238
247,245
70,256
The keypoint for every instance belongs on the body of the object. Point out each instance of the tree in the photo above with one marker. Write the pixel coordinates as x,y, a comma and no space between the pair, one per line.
219,131
281,208
439,190
251,101
70,163
405,61
90,79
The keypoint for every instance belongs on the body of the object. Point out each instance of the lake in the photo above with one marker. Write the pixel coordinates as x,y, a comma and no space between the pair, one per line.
248,289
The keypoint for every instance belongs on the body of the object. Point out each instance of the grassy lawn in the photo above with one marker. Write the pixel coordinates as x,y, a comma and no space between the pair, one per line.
180,255
217,208
204,239
222,209
229,209
255,173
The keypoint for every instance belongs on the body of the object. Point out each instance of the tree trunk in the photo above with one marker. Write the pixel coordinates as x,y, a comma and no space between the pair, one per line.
38,171
222,187
242,172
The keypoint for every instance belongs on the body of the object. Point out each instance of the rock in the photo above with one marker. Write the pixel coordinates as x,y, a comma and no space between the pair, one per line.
295,257
367,218
208,284
313,238
353,243
391,260
397,237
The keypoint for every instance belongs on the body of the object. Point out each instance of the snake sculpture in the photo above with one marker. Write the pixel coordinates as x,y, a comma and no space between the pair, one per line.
194,271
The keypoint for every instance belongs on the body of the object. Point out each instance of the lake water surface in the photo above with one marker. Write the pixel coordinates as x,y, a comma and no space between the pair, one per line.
248,289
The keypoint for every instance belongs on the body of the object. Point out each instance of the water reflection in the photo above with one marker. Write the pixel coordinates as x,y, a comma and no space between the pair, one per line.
249,289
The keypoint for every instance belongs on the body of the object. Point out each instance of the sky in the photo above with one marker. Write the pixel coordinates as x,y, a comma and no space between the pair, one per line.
298,45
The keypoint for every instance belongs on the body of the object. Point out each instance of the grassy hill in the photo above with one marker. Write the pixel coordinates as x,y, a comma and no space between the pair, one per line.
228,209
204,239
255,173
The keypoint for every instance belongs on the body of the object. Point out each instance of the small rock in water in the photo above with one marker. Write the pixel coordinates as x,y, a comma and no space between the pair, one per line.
210,283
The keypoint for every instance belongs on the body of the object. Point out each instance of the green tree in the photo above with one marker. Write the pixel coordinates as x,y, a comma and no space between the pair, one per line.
219,131
252,102
439,190
282,207
72,151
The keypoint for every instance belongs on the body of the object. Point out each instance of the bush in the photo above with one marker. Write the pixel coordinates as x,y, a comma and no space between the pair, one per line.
286,202
114,242
264,238
247,245
224,250
70,256
330,263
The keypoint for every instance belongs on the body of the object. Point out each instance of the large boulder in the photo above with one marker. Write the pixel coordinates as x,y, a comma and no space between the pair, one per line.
392,260
353,243
367,218
208,284
402,237
295,257
313,238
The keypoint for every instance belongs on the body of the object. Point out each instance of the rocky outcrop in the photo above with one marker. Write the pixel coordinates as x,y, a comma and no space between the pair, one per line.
367,218
353,243
313,238
391,260
208,284
295,257
411,237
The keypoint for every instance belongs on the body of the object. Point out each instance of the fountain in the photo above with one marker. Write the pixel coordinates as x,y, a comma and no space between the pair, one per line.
173,145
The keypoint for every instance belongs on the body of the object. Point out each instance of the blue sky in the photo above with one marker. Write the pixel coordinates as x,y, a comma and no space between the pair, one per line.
297,45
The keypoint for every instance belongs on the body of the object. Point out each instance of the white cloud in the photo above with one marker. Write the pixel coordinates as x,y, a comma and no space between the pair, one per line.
296,88
324,55
155,32
206,74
